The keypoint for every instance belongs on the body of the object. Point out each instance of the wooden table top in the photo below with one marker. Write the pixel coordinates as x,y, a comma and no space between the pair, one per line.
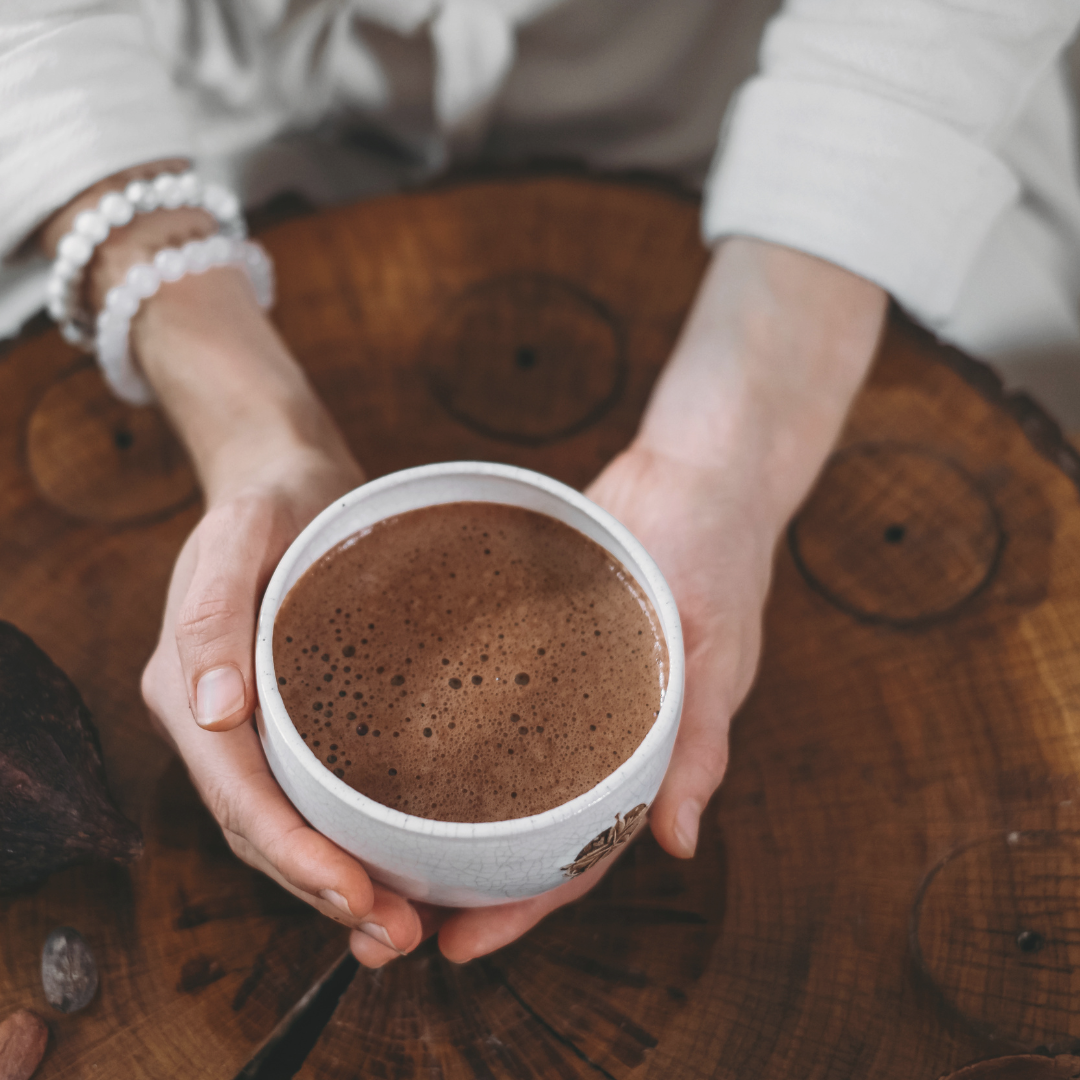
887,882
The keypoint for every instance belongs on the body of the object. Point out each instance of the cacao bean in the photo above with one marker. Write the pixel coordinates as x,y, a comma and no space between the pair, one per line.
69,973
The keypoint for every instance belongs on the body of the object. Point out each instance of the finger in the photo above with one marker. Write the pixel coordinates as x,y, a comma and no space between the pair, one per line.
265,830
370,953
478,931
316,870
393,922
301,859
700,756
370,944
432,918
238,545
263,827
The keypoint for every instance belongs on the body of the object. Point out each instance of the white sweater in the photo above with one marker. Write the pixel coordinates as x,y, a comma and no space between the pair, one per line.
924,144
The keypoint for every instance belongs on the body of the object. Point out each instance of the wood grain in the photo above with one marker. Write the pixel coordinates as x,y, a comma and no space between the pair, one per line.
857,908
1022,1067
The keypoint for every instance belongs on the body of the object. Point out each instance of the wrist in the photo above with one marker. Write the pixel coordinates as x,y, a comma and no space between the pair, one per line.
277,460
229,384
49,234
772,355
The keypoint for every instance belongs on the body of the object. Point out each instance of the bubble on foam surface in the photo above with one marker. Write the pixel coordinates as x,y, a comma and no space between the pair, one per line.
543,678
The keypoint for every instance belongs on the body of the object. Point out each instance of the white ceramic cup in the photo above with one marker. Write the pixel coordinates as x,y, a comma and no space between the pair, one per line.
454,863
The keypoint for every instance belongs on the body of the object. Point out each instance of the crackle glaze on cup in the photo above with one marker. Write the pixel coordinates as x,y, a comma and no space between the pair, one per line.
454,863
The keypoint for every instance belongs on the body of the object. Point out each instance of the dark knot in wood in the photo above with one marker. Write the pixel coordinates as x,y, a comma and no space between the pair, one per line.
526,358
996,929
101,460
896,534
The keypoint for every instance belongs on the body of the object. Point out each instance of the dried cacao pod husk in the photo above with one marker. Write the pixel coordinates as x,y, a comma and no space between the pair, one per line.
55,808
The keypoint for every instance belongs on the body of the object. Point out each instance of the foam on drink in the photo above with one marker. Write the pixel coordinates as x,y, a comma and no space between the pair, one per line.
470,662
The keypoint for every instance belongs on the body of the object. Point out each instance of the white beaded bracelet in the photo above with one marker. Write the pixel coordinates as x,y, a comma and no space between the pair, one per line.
144,279
168,191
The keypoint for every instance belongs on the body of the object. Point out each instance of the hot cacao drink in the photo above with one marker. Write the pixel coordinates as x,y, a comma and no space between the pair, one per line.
470,662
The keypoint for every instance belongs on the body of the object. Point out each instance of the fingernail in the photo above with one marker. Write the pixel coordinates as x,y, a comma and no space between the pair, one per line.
337,900
687,818
374,930
220,693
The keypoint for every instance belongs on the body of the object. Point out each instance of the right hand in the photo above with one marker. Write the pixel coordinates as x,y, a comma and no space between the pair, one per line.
269,458
199,685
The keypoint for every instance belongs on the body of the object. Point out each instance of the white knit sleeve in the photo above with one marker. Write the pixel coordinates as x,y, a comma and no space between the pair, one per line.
869,135
83,94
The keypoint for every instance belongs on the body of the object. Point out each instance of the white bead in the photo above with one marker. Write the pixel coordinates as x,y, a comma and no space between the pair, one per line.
230,206
110,321
57,308
167,189
55,286
194,252
221,202
212,196
113,324
170,264
71,334
111,350
65,269
113,331
190,188
143,280
142,195
111,345
122,300
92,225
218,250
133,388
75,249
116,209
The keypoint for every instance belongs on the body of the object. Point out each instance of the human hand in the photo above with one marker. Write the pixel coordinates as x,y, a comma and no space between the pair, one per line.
200,687
737,429
269,458
715,550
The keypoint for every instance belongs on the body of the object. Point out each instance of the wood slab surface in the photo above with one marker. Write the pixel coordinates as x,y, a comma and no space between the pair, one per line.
888,882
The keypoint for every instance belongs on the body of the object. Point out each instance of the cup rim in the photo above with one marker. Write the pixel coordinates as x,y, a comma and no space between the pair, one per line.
273,707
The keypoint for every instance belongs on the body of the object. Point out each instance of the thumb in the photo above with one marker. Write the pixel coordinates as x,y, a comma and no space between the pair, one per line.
699,760
215,625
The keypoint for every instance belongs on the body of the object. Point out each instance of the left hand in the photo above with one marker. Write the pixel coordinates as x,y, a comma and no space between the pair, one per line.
700,525
776,346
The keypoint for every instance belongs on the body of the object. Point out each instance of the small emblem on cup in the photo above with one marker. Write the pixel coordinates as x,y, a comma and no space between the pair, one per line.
608,841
